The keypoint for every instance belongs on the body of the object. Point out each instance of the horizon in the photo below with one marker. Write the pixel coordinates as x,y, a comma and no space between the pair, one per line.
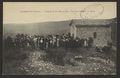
58,21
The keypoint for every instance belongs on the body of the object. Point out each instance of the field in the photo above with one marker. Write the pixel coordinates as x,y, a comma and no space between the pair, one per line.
35,62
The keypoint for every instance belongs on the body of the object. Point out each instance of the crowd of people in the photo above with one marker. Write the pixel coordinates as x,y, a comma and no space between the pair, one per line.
45,42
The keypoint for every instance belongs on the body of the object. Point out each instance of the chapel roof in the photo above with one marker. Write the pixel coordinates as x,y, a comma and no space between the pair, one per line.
92,21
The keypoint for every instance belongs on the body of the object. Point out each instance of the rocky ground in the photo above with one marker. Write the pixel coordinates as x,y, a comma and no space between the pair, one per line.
93,63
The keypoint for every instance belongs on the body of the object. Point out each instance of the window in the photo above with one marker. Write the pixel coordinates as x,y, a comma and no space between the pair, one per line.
95,35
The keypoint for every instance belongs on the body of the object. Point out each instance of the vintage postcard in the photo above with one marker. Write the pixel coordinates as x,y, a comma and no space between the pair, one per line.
65,38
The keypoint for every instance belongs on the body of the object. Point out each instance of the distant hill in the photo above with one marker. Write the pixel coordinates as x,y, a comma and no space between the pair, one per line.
44,28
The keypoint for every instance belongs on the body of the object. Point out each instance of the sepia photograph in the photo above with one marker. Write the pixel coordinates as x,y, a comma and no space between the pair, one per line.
59,38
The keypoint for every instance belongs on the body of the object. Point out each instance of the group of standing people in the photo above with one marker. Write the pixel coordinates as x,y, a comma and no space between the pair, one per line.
45,42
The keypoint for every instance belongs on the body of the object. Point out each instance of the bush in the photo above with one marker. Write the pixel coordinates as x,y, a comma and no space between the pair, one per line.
56,55
12,55
106,49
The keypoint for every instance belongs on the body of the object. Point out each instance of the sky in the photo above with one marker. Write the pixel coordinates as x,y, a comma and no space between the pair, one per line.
35,12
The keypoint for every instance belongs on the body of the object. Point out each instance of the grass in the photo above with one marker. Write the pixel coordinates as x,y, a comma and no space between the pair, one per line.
56,61
12,59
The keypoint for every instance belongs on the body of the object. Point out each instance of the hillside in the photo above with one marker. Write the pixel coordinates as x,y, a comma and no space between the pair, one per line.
45,28
36,28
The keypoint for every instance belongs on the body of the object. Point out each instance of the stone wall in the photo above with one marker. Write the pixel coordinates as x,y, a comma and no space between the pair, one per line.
103,34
